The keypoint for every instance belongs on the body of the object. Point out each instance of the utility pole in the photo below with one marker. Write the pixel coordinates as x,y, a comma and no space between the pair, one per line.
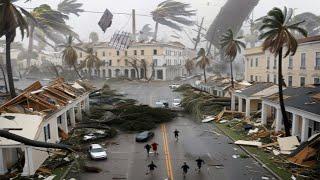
198,36
134,24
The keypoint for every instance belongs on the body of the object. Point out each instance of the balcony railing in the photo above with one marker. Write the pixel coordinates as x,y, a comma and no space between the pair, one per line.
290,67
302,67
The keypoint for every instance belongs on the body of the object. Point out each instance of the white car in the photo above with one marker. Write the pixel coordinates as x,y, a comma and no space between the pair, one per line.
176,103
174,86
162,104
96,151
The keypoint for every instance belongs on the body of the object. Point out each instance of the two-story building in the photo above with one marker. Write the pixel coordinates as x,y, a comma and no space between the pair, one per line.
301,69
161,61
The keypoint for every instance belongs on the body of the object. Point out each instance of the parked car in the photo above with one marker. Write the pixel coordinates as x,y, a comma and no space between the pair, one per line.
144,136
174,86
176,103
162,104
96,152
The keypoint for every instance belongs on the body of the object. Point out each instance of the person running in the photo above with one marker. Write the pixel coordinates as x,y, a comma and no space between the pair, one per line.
147,147
151,167
176,134
185,169
199,163
155,148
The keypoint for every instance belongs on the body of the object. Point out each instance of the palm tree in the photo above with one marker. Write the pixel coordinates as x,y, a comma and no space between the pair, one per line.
277,31
189,66
69,55
202,62
91,61
172,13
70,7
94,37
11,18
47,20
231,46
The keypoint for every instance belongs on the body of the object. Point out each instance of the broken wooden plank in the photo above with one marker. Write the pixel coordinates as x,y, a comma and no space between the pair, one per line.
248,143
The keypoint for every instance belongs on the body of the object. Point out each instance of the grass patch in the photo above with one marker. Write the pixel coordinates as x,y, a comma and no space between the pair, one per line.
265,157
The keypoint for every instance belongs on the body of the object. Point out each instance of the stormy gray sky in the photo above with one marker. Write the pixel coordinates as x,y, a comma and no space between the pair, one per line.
87,22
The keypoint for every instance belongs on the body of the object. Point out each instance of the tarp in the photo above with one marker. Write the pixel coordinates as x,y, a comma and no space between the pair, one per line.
106,20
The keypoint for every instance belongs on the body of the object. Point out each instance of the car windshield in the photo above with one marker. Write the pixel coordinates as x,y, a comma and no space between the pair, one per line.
97,150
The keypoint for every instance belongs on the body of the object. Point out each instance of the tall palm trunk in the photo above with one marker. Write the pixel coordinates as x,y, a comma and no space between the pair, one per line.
8,66
156,31
76,70
90,73
280,83
231,75
30,46
4,78
204,75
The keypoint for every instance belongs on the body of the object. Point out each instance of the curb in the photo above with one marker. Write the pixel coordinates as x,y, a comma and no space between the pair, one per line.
251,155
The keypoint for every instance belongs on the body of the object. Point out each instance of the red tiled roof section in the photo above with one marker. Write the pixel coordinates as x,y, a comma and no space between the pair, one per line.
309,39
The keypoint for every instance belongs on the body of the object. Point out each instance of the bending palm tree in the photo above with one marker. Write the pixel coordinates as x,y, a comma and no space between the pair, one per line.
277,31
189,66
69,55
11,18
231,46
91,61
202,62
172,13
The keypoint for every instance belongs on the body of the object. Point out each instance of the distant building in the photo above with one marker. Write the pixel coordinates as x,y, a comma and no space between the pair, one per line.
44,113
299,70
163,61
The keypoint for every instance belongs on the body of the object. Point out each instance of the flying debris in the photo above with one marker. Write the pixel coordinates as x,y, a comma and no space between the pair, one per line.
106,20
120,41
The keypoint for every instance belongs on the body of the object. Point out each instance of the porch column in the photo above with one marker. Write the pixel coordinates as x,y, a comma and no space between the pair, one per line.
304,129
294,125
64,122
3,165
278,120
86,104
233,102
240,104
248,107
264,114
79,112
72,117
28,168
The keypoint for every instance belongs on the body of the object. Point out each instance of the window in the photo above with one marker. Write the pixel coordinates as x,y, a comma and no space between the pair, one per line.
275,63
316,80
317,67
135,52
275,79
155,52
290,63
303,61
142,52
257,63
251,63
103,54
268,62
256,78
46,132
110,62
302,81
155,62
126,62
118,53
268,77
59,120
289,81
251,78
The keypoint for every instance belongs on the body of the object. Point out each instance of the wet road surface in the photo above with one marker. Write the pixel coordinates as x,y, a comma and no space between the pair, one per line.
128,159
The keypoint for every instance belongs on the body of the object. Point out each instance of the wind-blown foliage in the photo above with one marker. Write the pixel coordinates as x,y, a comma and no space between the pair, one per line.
231,45
11,18
70,7
91,61
277,31
94,37
69,55
189,66
202,62
172,13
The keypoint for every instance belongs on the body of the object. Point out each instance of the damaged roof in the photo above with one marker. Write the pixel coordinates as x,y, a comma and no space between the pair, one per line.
44,100
255,88
304,98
